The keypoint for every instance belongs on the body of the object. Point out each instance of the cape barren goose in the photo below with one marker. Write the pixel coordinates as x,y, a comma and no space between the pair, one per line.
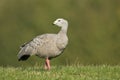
46,46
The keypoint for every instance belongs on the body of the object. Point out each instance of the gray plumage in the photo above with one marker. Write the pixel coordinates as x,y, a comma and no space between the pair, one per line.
46,45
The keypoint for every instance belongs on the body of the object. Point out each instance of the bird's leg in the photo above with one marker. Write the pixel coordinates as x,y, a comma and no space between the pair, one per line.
47,64
45,67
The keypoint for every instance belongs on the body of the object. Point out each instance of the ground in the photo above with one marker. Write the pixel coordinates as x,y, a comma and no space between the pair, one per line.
79,72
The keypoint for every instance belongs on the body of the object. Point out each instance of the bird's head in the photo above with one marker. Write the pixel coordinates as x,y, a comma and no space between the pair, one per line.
60,22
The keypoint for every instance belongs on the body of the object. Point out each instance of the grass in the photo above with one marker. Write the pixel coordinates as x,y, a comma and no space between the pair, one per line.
103,72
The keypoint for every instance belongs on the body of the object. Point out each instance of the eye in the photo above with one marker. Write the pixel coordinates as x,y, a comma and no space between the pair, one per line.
59,20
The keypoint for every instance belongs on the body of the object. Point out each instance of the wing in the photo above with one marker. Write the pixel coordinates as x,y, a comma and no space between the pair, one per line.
30,48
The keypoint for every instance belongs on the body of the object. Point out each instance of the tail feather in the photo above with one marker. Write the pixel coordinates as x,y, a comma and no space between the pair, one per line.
26,51
24,57
23,54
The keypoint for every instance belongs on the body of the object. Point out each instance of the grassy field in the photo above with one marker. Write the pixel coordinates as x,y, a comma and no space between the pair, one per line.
102,72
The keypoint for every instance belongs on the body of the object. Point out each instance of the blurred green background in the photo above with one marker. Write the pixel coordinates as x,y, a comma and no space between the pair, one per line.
94,29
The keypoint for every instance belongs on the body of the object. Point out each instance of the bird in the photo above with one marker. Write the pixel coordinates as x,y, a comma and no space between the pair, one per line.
46,46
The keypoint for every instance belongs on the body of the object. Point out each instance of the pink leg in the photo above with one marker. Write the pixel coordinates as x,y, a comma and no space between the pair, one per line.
47,64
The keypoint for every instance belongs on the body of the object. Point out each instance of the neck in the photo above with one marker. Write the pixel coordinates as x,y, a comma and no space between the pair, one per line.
63,30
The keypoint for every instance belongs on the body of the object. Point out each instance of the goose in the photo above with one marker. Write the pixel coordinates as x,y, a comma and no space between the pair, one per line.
47,45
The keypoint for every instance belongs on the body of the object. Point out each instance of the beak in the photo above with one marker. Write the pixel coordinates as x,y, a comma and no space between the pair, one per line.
53,24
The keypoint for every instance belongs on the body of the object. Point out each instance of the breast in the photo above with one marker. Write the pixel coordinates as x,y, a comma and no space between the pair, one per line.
62,41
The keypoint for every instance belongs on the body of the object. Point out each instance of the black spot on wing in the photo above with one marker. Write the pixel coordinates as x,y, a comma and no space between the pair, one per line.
24,57
23,45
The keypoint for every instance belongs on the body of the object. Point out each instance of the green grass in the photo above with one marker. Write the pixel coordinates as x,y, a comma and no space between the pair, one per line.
103,72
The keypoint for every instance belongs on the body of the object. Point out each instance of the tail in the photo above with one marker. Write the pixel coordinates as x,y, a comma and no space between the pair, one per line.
24,57
25,53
